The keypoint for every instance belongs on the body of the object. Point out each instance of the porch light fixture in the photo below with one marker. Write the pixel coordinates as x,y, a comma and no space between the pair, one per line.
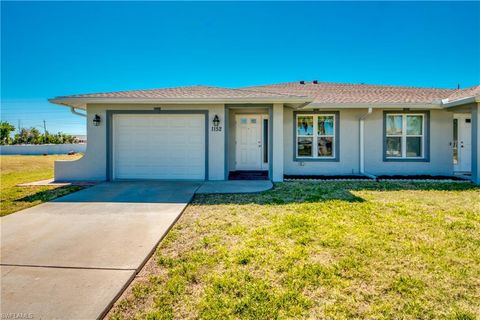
216,121
96,120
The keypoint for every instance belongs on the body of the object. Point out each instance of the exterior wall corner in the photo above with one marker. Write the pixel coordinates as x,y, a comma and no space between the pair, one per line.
277,143
476,143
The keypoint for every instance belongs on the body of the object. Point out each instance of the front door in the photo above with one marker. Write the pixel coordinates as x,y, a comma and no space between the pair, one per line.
462,146
248,141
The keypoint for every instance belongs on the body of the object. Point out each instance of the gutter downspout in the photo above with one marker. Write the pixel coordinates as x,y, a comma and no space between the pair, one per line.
72,109
362,144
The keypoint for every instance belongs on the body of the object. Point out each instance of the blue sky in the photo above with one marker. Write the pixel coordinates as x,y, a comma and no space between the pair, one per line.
60,48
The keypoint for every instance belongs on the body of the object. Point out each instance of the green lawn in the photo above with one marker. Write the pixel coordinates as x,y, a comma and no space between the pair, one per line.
334,250
21,169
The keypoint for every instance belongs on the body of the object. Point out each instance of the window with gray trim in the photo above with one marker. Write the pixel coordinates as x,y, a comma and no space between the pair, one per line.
315,136
405,135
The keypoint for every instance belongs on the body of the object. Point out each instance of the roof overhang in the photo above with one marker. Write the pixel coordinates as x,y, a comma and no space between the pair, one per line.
375,105
293,102
460,102
81,103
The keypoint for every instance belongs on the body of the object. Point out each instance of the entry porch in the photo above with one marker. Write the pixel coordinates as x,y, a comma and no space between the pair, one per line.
254,142
466,141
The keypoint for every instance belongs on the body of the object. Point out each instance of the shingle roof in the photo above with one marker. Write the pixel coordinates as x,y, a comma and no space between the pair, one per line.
320,92
190,92
464,93
326,92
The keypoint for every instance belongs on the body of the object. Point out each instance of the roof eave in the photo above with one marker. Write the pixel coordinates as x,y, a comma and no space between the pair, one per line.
81,102
375,105
459,102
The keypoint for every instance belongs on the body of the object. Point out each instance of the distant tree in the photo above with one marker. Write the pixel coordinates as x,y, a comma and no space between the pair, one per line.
50,138
22,136
28,136
5,130
35,137
60,138
68,138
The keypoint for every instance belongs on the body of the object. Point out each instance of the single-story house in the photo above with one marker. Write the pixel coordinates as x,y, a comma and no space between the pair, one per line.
288,129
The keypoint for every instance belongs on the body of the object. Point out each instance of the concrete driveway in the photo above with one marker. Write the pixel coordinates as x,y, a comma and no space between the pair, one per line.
69,258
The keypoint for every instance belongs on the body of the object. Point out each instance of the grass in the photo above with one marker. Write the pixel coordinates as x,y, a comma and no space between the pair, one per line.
22,169
335,250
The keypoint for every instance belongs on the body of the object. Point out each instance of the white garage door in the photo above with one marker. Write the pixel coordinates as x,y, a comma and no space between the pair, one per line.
159,146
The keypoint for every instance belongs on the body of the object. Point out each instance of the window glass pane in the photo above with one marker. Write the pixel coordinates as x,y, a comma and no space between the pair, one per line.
253,120
414,125
455,141
394,125
394,146
305,147
305,125
414,146
265,140
325,125
243,120
325,147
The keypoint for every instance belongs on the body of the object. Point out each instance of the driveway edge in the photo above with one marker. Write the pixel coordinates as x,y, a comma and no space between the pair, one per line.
147,258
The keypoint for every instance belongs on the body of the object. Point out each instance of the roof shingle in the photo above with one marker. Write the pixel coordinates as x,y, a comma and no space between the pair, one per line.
464,93
185,92
326,92
318,92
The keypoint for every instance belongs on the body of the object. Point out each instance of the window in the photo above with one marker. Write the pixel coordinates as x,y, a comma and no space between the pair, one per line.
315,136
455,141
265,140
405,136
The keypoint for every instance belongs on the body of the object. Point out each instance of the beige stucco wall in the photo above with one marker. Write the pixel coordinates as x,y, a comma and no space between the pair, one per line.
349,150
475,110
93,165
441,152
440,149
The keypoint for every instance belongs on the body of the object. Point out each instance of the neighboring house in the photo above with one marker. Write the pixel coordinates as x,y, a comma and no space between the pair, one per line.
299,128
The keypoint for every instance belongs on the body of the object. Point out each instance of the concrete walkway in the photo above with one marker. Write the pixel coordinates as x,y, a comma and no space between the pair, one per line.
235,186
70,258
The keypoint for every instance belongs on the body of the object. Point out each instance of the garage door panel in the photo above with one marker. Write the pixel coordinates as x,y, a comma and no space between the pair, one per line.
179,139
159,146
195,139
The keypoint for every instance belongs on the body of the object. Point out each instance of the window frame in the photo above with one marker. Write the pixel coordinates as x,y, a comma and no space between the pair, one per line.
315,137
425,148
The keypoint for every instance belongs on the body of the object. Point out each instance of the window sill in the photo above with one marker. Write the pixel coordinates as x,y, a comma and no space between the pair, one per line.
297,159
405,159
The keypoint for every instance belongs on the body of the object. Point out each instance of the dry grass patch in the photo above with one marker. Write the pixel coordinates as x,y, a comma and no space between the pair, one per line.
23,169
333,250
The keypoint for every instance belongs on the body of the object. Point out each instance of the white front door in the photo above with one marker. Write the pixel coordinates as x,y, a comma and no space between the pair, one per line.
248,142
462,142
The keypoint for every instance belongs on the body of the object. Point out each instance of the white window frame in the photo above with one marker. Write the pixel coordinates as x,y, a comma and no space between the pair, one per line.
315,136
404,135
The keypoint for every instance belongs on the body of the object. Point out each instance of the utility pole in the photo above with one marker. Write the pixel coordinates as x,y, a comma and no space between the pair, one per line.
44,132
